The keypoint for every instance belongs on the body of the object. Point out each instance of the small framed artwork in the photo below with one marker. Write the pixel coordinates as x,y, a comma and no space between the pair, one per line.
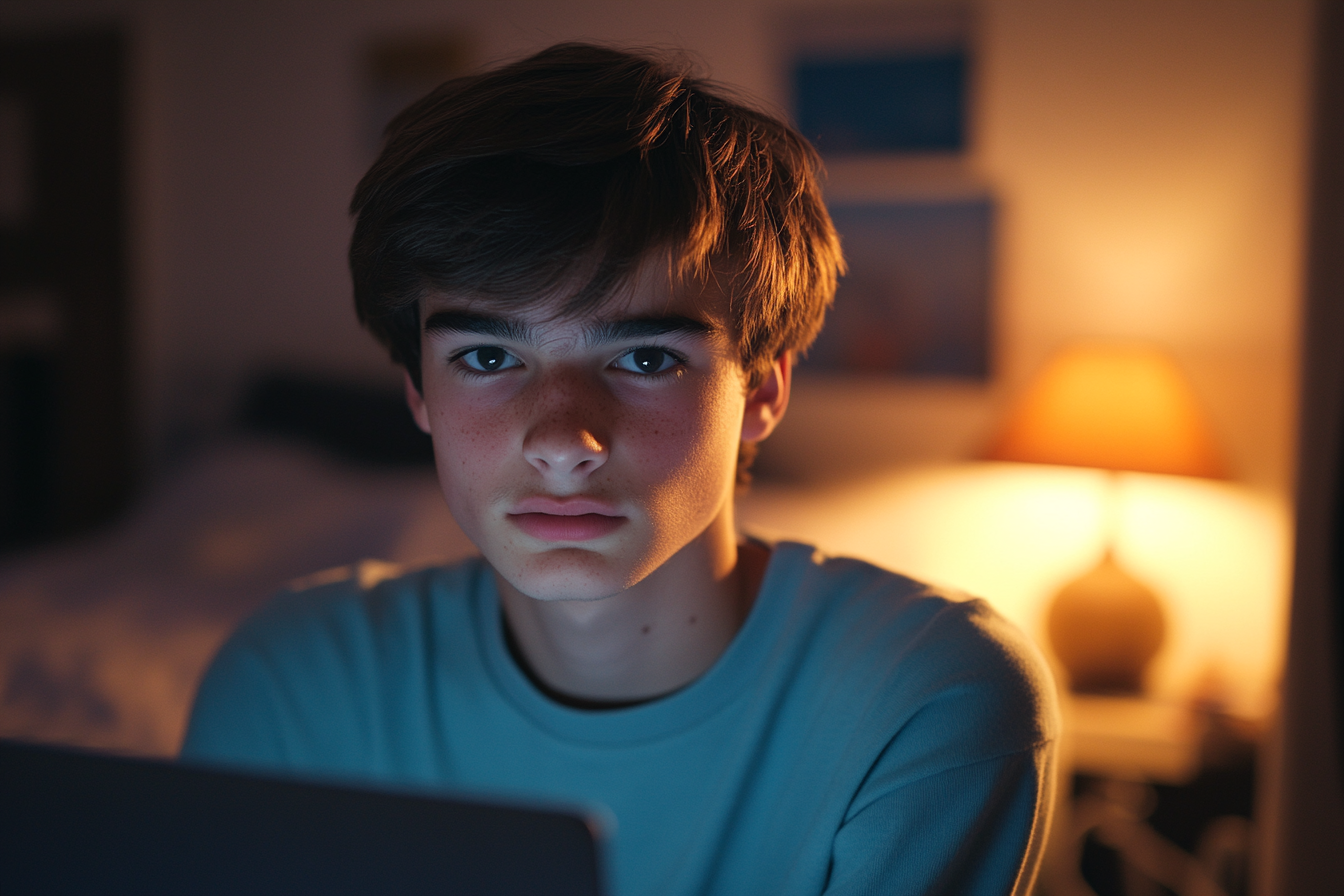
916,301
880,80
906,101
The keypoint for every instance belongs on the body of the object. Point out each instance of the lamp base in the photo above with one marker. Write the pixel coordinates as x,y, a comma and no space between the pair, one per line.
1106,627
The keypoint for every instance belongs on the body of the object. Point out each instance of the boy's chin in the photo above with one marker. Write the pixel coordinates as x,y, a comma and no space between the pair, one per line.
566,575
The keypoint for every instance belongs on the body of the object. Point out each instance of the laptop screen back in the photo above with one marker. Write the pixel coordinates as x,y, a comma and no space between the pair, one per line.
81,823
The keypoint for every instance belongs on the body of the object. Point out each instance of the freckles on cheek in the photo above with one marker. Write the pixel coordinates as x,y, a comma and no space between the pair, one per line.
468,442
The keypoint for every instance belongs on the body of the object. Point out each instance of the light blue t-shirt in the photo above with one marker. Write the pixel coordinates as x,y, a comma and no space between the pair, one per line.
861,734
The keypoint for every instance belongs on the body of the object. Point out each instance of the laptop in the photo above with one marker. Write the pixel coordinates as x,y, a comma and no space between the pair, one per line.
76,822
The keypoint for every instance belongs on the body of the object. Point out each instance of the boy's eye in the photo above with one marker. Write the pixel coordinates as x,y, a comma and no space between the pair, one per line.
647,360
488,359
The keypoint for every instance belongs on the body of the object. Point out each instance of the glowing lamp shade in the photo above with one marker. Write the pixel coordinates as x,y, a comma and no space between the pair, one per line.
1118,407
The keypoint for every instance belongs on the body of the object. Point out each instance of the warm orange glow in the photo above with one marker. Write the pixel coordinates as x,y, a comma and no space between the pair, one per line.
1015,533
1119,407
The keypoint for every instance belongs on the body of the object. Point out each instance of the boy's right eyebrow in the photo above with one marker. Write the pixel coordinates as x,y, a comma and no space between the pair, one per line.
482,324
604,331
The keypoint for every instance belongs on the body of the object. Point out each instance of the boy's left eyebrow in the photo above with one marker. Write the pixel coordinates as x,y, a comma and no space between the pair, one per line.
645,327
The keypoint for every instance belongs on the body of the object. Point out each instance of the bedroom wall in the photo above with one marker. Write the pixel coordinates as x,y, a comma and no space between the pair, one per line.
1147,156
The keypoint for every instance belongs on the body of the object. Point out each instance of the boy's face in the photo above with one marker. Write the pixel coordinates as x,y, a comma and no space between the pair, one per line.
581,453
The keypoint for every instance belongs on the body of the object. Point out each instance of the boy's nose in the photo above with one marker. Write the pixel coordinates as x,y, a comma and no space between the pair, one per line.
578,452
566,438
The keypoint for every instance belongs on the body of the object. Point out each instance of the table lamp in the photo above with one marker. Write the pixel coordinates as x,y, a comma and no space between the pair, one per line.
1118,407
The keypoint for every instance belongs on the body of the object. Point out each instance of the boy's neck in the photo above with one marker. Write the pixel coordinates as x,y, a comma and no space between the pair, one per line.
650,640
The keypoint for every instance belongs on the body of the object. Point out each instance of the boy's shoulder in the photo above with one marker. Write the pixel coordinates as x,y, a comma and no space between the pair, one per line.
908,644
355,636
847,593
368,599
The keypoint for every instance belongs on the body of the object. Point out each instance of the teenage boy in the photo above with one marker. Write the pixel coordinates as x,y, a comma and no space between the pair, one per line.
596,272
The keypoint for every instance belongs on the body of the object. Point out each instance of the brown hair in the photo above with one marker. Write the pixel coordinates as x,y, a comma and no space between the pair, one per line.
576,165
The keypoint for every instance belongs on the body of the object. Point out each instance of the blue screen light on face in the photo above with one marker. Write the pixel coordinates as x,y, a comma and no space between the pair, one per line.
901,103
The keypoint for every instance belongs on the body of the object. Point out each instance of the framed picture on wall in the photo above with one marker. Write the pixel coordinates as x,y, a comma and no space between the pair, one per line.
916,301
898,101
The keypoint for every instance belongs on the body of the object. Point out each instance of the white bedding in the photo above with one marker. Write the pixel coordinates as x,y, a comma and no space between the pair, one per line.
102,641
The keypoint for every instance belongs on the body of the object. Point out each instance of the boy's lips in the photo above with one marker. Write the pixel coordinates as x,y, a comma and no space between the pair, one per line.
565,519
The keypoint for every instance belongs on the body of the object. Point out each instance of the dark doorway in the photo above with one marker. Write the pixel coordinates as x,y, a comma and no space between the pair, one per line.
65,429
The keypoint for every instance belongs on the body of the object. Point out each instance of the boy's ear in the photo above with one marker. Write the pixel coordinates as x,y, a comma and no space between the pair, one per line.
416,402
767,402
